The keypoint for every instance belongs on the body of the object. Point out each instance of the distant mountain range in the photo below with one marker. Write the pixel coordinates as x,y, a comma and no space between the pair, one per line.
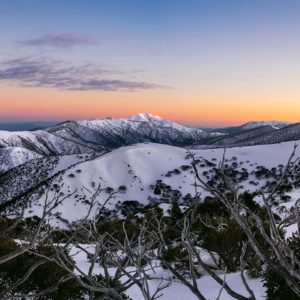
253,133
90,136
246,126
72,137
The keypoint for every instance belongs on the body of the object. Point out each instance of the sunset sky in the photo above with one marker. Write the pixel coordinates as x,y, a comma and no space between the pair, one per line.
192,61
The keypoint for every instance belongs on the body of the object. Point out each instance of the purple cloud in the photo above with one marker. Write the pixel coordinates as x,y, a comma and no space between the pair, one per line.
64,40
45,72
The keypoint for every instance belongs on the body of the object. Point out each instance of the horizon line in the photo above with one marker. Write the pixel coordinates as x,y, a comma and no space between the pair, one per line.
28,121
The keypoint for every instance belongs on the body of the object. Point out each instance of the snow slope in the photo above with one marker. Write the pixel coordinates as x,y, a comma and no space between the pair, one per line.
11,157
42,142
139,166
23,178
275,124
177,291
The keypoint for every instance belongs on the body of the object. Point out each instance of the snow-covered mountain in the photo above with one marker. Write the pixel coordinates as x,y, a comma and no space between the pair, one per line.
11,157
275,124
42,142
256,136
73,137
143,127
237,138
148,118
248,126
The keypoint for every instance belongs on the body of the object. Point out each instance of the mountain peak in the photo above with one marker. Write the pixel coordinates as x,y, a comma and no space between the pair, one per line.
157,120
144,117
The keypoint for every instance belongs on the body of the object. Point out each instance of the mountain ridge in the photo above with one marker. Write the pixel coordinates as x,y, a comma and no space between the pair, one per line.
88,136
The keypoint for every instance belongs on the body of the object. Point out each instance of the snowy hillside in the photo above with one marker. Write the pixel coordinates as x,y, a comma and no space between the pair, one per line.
42,142
23,178
275,124
267,134
11,157
140,168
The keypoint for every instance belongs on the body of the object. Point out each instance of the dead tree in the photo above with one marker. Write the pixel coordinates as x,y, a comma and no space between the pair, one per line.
134,259
127,261
78,235
32,239
276,253
189,243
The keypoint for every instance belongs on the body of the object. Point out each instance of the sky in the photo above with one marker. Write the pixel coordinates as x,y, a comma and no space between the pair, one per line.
192,61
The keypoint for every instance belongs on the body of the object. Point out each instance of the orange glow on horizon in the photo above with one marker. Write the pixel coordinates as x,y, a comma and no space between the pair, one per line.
187,108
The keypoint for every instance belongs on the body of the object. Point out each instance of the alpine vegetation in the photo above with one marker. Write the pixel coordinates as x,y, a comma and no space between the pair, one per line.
132,219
